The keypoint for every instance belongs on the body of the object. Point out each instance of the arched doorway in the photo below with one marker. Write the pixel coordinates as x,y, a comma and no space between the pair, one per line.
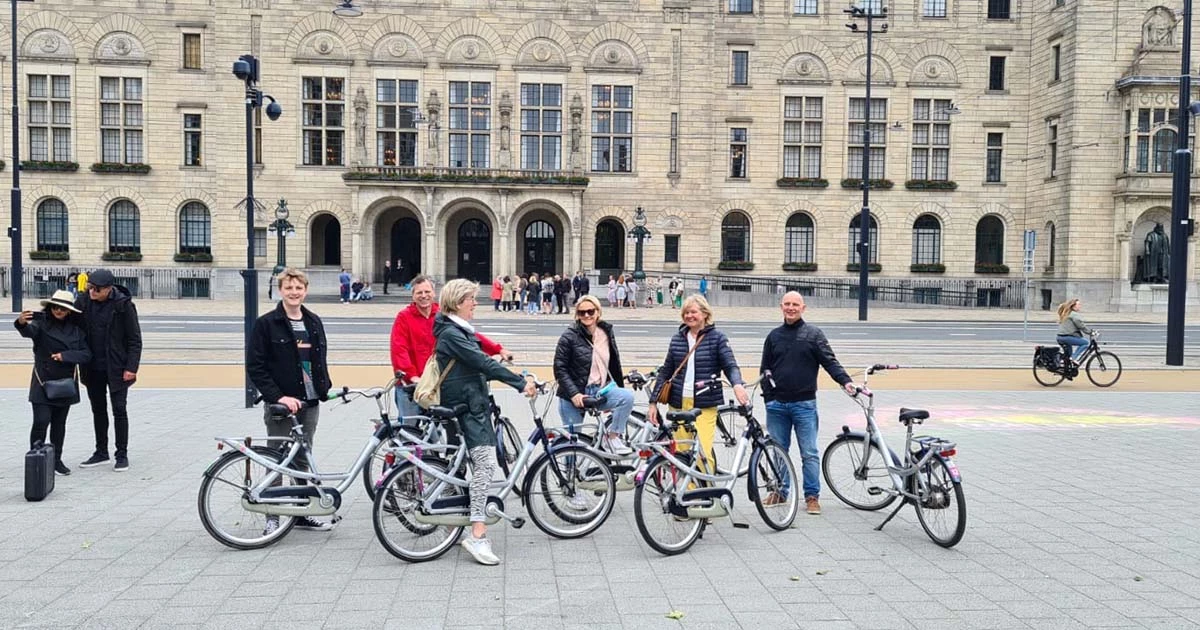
610,247
325,241
539,250
405,246
475,251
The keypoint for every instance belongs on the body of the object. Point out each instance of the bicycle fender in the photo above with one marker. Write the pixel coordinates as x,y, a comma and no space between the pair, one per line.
952,467
261,450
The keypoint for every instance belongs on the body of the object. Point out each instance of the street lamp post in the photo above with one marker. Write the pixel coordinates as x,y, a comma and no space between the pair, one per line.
639,233
864,221
14,230
1181,222
246,69
282,229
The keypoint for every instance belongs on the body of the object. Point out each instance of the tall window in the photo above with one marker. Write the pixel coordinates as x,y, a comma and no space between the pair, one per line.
1052,146
193,58
870,6
260,242
998,9
49,118
802,119
470,124
798,239
934,8
738,139
741,6
52,232
1155,137
541,126
673,159
124,227
996,73
121,120
195,229
989,241
739,68
395,125
927,240
324,102
612,128
852,236
1052,236
931,139
193,137
1056,62
671,248
858,115
735,237
995,155
805,7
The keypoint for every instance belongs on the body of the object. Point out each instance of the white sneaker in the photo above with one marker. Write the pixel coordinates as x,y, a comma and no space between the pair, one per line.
271,526
579,503
481,550
617,446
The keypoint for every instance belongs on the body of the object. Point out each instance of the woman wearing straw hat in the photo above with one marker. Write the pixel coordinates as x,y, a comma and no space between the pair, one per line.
59,348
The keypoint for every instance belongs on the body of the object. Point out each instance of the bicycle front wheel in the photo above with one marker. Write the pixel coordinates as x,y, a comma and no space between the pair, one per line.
1103,369
730,427
659,519
859,484
508,444
226,483
382,460
771,472
1045,376
569,492
397,501
940,504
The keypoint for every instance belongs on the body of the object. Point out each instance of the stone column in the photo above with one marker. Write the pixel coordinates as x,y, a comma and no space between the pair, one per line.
502,259
577,229
431,263
1123,256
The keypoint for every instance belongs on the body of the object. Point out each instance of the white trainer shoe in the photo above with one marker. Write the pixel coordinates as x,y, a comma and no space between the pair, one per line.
481,550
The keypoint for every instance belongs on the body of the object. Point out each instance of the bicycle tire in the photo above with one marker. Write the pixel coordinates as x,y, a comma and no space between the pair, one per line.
1044,376
652,500
838,466
508,444
1104,362
943,496
769,467
236,462
583,471
377,466
399,496
730,427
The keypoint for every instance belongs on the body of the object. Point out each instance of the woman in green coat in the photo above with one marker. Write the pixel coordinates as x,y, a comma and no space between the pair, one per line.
466,383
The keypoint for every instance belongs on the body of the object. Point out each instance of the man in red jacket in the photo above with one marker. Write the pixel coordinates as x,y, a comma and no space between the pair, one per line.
413,341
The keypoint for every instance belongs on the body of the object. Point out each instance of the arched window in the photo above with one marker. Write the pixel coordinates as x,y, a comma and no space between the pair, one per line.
610,250
1164,150
52,232
927,240
539,229
989,241
1052,235
124,227
735,237
798,239
325,240
852,236
195,229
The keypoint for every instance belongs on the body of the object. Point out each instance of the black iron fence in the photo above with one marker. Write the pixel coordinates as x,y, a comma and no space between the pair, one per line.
167,283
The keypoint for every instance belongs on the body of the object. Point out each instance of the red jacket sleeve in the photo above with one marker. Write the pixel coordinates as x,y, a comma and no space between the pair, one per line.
490,348
400,350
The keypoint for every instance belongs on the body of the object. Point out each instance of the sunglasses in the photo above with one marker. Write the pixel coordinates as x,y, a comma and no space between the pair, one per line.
586,312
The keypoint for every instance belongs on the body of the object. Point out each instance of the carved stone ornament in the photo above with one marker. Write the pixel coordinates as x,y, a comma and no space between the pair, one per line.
1158,30
49,43
324,45
933,70
612,54
804,67
122,46
542,53
470,50
397,47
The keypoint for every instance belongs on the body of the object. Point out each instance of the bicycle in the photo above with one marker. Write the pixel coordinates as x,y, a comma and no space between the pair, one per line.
253,472
421,508
411,429
676,495
1052,364
857,472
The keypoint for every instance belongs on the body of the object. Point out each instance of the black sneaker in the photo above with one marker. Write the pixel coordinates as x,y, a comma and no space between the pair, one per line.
61,469
96,459
308,522
122,463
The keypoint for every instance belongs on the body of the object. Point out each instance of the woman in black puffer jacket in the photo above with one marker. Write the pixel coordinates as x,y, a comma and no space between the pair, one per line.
586,361
712,356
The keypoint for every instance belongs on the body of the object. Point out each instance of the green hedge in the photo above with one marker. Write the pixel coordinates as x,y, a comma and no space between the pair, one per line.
735,265
40,255
121,256
871,267
468,179
62,167
991,268
876,184
800,266
802,182
930,184
927,268
196,258
111,167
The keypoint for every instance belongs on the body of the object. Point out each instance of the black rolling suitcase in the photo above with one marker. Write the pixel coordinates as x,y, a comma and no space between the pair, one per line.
39,472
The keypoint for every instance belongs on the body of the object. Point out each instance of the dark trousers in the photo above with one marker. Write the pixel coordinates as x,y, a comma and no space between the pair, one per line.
387,277
50,417
562,302
97,387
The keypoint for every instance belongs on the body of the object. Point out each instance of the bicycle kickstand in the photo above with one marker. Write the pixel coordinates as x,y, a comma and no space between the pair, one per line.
892,515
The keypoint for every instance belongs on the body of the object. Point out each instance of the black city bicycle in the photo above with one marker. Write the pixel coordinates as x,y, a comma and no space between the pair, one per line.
1052,364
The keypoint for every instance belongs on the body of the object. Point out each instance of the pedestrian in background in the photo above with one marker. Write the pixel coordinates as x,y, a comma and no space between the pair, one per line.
792,352
532,292
497,292
114,335
547,293
81,281
344,286
704,286
59,347
387,275
562,289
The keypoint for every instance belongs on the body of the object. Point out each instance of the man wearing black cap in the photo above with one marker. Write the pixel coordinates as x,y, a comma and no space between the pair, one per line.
115,338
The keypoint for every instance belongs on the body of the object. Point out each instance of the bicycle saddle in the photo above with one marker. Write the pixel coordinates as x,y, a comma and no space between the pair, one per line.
446,413
278,411
682,417
636,379
594,402
908,416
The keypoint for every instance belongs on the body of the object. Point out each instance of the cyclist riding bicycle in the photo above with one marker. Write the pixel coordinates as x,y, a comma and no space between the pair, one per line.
1071,328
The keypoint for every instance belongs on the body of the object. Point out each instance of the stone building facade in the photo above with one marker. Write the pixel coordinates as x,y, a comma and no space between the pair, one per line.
477,138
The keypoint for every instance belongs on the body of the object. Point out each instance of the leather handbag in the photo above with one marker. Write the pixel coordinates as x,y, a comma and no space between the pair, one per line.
664,394
60,388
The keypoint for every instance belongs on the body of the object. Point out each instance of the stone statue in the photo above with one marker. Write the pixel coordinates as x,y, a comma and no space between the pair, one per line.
506,109
576,159
433,105
1158,31
360,127
1156,262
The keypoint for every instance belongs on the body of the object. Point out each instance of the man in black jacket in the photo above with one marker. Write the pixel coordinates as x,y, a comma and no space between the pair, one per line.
792,353
110,319
287,363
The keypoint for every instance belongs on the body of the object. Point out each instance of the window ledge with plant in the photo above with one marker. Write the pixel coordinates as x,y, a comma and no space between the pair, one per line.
871,267
799,266
120,168
198,257
930,184
802,182
38,254
735,265
389,175
121,256
42,165
927,268
876,184
991,268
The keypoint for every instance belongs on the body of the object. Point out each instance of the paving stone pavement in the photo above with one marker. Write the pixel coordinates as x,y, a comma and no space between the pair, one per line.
1082,513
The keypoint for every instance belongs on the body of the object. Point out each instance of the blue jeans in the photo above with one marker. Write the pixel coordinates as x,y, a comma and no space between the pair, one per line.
618,400
405,406
1080,344
801,417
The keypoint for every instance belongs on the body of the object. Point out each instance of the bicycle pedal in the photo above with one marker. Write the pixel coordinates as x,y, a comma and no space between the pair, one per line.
874,491
741,525
518,523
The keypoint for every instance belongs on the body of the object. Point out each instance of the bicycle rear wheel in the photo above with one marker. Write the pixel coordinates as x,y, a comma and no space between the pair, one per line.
1044,376
226,483
840,467
730,427
393,514
1104,369
379,464
941,507
658,518
508,444
770,470
574,501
